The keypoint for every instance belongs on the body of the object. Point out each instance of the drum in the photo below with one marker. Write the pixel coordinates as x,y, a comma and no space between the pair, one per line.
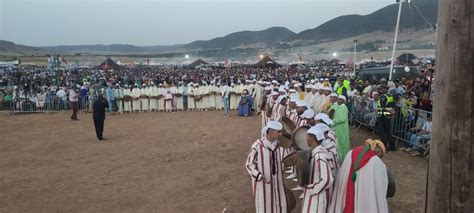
391,185
302,167
288,126
290,159
299,138
197,97
284,142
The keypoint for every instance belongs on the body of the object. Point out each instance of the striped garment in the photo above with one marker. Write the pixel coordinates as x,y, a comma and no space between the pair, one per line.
265,168
316,194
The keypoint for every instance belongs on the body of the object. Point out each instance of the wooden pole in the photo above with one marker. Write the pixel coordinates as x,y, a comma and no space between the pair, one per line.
450,185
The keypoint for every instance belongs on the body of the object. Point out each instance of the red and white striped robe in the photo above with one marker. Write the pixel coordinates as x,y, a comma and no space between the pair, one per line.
333,161
265,118
276,111
270,195
316,194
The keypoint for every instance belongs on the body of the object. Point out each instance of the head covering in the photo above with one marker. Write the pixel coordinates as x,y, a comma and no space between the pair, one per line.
317,131
275,93
313,81
293,99
342,97
333,95
307,114
327,88
271,125
323,117
374,143
267,88
292,90
300,103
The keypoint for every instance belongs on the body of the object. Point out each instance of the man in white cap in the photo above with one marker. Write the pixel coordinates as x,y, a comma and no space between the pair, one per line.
331,101
264,165
153,92
278,108
308,95
191,93
218,96
118,91
144,98
198,97
204,89
136,104
316,193
300,109
341,127
173,90
313,101
331,147
233,97
308,116
212,96
179,97
127,105
161,99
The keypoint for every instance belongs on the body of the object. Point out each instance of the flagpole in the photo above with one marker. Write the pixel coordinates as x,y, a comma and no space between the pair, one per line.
395,39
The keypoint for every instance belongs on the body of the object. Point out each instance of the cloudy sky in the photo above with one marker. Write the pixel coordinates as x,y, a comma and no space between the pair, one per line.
161,22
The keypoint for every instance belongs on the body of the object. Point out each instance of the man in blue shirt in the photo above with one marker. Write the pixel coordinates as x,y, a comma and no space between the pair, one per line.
109,93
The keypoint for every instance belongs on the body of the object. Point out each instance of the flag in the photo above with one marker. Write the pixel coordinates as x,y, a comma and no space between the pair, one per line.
148,61
64,60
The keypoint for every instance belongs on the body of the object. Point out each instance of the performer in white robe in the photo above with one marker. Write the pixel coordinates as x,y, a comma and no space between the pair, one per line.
136,104
271,97
218,97
191,93
314,97
316,194
308,95
153,92
179,98
365,191
258,93
212,97
264,165
278,108
205,96
173,89
233,97
127,105
118,92
161,99
144,98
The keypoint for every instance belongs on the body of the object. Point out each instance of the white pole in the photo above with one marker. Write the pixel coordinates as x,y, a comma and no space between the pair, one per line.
395,40
355,52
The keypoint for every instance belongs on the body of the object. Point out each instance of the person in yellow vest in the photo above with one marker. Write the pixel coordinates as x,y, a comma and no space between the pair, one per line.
299,91
385,112
344,88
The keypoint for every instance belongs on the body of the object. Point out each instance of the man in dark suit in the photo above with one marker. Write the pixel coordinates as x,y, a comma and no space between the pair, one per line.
98,115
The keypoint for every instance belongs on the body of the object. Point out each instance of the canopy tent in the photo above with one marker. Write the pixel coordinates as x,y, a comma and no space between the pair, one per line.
9,63
109,64
406,57
267,62
197,63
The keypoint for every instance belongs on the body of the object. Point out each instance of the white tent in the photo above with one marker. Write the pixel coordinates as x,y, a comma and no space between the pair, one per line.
9,63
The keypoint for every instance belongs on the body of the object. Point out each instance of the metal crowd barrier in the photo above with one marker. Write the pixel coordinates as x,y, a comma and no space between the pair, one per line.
405,121
363,112
41,105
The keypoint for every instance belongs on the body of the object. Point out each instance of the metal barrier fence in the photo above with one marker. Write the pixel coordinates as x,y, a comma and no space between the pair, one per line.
406,126
406,123
34,105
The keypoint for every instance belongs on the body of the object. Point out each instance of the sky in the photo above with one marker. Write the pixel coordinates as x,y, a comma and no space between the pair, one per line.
161,22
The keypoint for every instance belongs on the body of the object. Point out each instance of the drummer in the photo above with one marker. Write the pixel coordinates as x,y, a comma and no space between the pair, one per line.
316,193
370,178
308,116
264,166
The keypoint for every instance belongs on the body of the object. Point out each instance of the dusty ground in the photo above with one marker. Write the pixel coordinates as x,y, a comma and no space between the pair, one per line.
151,162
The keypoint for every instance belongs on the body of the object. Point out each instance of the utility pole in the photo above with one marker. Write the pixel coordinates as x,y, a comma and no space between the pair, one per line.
450,185
395,39
355,53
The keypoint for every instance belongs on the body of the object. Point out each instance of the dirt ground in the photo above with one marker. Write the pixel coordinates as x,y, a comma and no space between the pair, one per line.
150,162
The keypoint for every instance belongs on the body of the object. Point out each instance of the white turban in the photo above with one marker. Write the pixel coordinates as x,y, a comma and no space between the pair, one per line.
333,95
293,99
307,114
317,131
271,125
275,93
267,88
324,117
342,97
